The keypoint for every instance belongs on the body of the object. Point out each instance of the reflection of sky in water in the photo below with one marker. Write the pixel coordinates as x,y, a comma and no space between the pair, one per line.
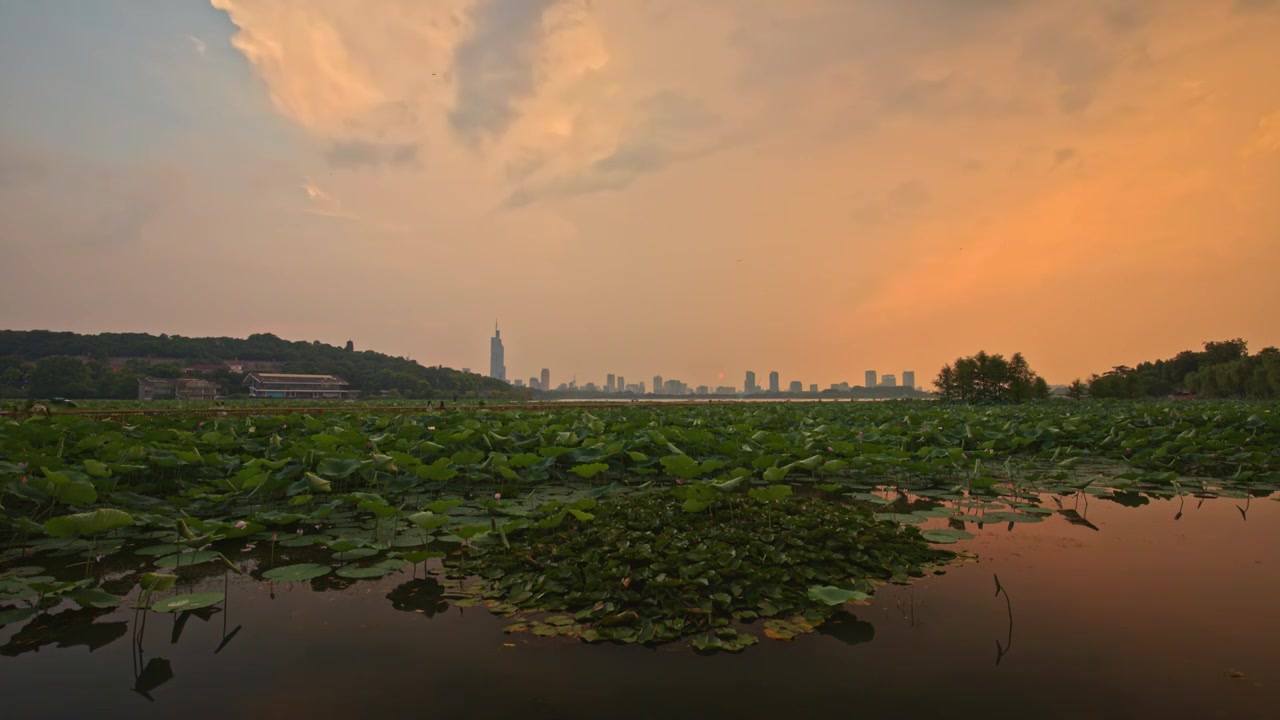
1144,616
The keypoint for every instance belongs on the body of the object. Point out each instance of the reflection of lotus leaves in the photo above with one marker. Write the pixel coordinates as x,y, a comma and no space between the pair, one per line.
424,596
63,630
157,672
848,629
1128,499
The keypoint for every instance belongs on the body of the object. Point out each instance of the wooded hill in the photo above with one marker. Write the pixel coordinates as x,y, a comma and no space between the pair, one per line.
42,364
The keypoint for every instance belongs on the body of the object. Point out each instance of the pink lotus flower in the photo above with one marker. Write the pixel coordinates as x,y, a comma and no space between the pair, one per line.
22,464
284,427
240,524
273,536
24,480
859,433
679,481
200,424
497,496
830,449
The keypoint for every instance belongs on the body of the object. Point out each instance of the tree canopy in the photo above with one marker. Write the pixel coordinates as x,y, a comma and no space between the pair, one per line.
984,378
1223,369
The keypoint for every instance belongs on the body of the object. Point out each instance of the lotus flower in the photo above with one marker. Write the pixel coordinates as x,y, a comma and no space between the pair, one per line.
240,524
431,427
830,449
497,496
24,480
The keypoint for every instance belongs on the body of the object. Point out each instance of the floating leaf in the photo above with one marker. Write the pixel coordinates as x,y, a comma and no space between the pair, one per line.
183,603
832,595
296,573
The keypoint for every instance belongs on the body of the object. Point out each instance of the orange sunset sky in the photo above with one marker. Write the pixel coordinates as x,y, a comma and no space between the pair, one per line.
675,187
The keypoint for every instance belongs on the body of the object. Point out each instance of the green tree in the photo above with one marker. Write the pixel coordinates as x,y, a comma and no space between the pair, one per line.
60,376
984,378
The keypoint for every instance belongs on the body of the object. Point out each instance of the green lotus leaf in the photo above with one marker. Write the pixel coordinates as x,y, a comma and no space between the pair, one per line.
183,603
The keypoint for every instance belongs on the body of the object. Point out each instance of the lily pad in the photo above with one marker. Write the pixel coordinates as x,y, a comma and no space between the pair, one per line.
832,595
193,601
945,537
296,573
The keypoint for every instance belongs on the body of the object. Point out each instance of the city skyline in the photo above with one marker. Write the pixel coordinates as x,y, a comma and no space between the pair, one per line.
616,382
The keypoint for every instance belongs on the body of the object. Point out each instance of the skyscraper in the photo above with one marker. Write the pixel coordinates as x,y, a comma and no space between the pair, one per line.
813,388
497,356
622,384
657,384
773,381
608,382
888,381
750,385
797,386
546,379
909,379
871,379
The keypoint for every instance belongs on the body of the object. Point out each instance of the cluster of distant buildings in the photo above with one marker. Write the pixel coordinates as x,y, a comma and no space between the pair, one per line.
670,386
262,380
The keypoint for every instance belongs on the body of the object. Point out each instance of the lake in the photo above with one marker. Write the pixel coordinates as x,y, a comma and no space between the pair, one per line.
1118,610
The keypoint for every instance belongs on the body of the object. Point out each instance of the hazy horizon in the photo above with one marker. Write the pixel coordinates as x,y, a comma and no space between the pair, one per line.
691,189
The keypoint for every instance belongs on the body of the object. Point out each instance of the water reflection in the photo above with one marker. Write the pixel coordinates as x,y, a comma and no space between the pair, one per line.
848,629
66,629
252,656
423,596
1001,651
155,673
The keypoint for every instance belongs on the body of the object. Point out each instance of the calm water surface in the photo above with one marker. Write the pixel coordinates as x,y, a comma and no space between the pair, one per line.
1144,616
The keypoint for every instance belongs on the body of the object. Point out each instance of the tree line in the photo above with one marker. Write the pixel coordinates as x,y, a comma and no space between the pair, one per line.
42,364
1222,369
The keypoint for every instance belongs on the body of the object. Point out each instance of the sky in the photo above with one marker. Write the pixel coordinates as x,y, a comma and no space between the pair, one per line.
690,188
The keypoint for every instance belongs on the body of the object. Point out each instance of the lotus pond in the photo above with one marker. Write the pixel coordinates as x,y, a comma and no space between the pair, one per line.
899,558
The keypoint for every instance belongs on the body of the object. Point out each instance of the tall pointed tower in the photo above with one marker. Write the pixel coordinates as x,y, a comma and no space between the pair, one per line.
497,355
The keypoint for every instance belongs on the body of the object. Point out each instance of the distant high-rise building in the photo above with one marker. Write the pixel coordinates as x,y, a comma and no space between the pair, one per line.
909,379
535,384
641,387
546,379
726,390
797,386
608,382
466,370
519,382
871,378
703,390
773,381
888,381
351,346
750,386
813,387
622,384
497,356
657,385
